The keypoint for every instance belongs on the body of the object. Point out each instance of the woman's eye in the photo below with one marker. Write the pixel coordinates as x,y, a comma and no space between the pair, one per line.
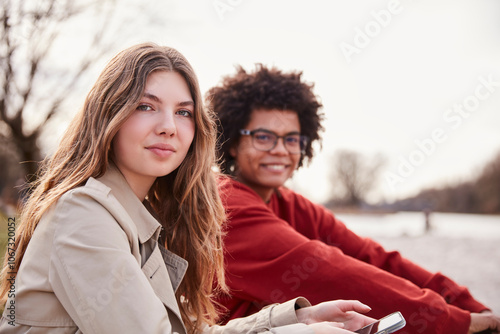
185,113
292,140
144,107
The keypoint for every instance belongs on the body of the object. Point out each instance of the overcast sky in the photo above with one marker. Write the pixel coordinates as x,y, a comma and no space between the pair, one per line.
418,81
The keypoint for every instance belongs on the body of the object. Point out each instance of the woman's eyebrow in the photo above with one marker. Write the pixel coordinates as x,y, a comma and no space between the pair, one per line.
152,97
157,99
186,104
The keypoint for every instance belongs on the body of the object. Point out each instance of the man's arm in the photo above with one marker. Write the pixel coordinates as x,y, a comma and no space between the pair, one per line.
317,222
269,261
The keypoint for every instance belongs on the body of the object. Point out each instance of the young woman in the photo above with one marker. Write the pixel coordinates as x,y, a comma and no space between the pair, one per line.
268,121
127,207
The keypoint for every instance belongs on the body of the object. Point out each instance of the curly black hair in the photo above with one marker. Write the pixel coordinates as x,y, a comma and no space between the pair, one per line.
266,88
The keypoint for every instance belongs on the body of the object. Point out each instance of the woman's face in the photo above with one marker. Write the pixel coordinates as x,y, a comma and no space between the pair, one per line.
155,139
260,170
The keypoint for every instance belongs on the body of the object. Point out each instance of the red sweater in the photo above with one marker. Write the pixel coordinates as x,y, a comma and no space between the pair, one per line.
292,247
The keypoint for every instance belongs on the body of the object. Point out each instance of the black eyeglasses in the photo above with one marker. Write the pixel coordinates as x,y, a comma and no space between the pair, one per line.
265,140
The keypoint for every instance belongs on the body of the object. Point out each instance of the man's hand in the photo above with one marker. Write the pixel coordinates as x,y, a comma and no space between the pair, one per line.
484,321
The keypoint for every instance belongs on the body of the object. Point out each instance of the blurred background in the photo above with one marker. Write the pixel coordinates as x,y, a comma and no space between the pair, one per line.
410,88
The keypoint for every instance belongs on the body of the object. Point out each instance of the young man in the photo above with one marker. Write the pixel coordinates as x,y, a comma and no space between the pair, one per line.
280,245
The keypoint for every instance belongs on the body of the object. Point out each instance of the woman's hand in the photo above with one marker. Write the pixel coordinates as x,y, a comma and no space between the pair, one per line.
483,321
329,328
343,312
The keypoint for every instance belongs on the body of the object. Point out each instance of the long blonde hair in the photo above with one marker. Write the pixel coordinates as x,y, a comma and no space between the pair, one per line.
185,200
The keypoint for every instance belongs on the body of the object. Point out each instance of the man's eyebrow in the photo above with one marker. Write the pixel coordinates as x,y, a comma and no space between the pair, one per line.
270,131
293,133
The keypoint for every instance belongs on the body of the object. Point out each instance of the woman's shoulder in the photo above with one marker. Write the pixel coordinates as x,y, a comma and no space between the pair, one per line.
88,201
107,192
97,203
76,213
91,210
92,195
91,188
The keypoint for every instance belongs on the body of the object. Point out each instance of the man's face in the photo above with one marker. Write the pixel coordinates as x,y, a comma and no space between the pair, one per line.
263,171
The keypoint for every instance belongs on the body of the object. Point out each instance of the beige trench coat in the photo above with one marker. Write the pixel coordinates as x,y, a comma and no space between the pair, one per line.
94,266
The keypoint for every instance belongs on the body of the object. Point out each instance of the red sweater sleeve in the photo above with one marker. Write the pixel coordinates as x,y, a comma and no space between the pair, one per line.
293,247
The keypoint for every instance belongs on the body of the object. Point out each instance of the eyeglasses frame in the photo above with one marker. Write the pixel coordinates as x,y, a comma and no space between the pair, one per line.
303,139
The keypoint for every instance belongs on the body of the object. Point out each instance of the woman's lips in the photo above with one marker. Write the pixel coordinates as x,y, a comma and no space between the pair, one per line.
161,150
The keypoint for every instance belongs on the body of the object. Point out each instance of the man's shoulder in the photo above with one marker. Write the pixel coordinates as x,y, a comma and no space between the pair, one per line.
290,195
230,187
298,202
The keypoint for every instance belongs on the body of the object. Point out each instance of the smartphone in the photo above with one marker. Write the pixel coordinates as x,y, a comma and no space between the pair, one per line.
386,325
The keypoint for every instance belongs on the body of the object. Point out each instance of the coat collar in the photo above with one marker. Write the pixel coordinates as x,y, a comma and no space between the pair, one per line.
176,266
149,226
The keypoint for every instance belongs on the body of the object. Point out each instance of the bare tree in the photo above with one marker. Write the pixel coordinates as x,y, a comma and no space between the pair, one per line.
33,86
480,194
353,176
9,173
488,187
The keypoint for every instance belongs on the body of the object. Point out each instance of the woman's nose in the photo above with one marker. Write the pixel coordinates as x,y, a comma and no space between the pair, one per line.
166,124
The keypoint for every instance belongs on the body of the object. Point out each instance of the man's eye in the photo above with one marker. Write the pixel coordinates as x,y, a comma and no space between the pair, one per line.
263,137
292,139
